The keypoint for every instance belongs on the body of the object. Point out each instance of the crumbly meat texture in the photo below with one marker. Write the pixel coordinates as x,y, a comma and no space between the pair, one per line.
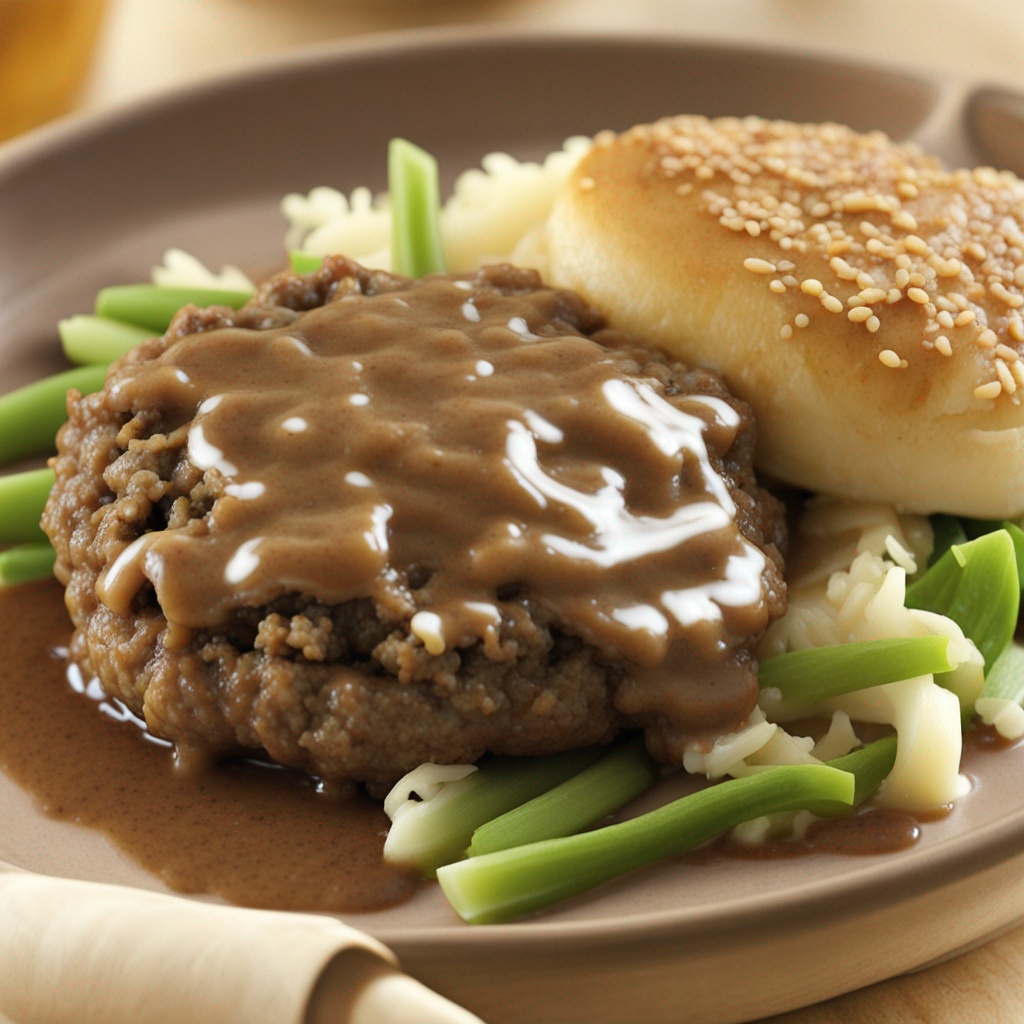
345,691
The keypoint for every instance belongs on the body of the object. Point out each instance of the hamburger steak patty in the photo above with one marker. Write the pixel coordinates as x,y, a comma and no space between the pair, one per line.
364,523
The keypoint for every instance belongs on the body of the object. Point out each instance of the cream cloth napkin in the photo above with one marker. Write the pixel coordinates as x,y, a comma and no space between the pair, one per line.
102,954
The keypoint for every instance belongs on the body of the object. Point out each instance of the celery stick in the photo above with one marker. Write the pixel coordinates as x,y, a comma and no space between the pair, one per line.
976,585
25,563
433,832
821,672
153,306
1005,679
304,262
869,765
415,205
507,884
96,340
619,776
32,415
22,497
1017,536
946,531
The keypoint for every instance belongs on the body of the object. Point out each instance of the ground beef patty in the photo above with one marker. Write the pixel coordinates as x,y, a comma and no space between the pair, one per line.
363,523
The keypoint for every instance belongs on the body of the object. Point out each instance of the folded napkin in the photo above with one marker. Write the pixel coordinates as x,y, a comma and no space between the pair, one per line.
102,954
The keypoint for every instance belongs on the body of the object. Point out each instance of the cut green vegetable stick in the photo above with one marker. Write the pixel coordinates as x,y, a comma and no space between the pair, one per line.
31,416
97,340
976,585
304,262
22,497
505,885
1017,536
25,563
152,306
415,205
822,672
619,776
1005,680
437,831
946,531
869,765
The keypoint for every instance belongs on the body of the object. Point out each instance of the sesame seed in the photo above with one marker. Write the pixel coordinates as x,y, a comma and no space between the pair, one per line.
786,332
752,227
872,323
831,303
918,295
801,320
945,319
942,345
916,245
1005,377
811,286
859,314
904,220
964,317
777,286
893,295
993,389
1017,369
843,269
889,358
1016,328
1005,352
987,338
1006,297
758,266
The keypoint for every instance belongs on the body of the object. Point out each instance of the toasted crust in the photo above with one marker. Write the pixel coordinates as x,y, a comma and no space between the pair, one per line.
864,301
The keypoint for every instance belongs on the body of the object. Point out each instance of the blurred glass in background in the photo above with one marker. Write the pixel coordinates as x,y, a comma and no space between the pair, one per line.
46,47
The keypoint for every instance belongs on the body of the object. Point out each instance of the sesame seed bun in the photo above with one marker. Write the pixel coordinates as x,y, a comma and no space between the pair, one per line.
865,302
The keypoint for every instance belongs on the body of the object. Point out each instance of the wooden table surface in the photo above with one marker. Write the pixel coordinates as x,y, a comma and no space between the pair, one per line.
151,44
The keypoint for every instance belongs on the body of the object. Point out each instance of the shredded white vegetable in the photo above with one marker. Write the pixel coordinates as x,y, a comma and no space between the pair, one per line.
182,270
492,214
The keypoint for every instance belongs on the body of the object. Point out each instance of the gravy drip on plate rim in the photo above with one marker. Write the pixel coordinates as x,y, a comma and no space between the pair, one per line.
464,436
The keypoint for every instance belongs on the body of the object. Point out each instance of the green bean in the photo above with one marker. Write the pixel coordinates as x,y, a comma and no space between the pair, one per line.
507,884
415,210
22,497
818,673
619,776
304,262
976,585
96,340
153,306
31,416
26,562
437,831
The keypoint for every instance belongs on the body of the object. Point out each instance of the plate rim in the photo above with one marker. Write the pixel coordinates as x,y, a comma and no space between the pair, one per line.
915,872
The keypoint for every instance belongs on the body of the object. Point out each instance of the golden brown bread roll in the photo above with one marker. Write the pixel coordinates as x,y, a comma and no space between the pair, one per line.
867,303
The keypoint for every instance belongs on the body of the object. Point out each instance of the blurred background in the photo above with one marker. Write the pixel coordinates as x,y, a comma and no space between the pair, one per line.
61,55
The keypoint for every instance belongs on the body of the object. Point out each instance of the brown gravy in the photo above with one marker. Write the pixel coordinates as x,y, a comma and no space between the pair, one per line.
255,836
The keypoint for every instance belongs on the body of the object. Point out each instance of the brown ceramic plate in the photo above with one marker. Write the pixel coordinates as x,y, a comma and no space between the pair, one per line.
96,201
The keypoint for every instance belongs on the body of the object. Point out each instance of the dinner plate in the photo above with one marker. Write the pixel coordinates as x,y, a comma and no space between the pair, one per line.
96,200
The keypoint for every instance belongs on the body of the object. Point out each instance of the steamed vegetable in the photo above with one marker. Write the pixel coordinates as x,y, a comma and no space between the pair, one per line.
415,210
437,828
619,776
31,416
513,882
